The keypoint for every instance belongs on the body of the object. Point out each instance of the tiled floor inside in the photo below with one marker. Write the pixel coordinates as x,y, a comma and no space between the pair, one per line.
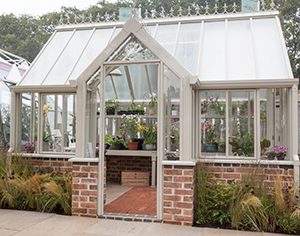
130,200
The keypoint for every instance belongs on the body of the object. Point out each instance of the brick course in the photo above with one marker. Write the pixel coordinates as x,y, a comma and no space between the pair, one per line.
84,200
178,195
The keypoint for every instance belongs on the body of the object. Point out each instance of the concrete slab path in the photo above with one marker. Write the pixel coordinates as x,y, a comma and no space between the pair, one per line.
28,223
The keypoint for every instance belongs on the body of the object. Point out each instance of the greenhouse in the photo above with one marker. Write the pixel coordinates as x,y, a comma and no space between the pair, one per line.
216,88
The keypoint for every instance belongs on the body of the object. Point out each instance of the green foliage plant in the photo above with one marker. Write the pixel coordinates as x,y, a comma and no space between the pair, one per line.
242,146
112,104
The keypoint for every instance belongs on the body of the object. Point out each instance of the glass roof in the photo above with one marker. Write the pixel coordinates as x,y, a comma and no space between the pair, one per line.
225,49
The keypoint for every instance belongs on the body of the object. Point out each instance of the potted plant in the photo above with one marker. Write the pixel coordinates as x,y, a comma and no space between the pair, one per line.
46,130
119,141
152,103
150,136
73,125
275,153
210,136
213,105
175,134
111,106
30,147
135,110
132,126
242,146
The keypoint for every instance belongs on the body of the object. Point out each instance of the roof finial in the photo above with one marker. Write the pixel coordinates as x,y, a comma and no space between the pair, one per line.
133,11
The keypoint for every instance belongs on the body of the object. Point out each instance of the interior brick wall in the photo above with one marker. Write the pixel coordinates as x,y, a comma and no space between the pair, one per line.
178,195
117,164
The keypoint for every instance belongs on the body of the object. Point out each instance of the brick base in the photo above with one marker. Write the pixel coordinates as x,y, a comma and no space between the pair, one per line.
50,164
178,195
233,172
84,189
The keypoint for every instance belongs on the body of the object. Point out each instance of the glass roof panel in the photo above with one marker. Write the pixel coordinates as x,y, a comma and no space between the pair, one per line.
150,29
95,46
187,49
67,60
122,85
268,47
132,49
109,90
117,31
41,67
240,50
166,35
139,77
212,60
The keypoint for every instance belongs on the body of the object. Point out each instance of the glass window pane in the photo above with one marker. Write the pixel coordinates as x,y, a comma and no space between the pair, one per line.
29,122
241,123
172,111
213,123
274,125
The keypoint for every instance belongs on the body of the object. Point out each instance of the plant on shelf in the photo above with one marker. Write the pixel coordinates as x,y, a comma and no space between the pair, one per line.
29,147
213,104
132,125
152,104
175,131
136,109
111,106
273,153
120,137
153,100
209,133
46,127
149,134
242,146
73,125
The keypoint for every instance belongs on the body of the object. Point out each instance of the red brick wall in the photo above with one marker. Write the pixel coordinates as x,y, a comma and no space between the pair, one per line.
51,164
178,195
233,172
117,164
84,189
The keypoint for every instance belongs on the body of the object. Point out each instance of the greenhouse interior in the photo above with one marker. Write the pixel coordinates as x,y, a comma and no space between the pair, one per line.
216,88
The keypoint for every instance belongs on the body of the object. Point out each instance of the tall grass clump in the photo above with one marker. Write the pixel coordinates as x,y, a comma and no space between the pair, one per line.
60,192
24,189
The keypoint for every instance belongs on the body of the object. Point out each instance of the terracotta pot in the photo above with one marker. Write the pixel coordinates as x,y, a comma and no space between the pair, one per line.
133,145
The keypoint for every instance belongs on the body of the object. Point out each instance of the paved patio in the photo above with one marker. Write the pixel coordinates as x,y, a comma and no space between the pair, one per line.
28,223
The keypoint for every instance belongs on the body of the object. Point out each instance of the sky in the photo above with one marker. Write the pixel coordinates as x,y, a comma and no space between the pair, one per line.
40,7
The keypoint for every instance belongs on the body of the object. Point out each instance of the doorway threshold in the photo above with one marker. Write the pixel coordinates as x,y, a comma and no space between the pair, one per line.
130,217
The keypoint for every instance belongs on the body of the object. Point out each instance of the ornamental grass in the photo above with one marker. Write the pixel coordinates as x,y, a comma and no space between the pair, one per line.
246,205
22,188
